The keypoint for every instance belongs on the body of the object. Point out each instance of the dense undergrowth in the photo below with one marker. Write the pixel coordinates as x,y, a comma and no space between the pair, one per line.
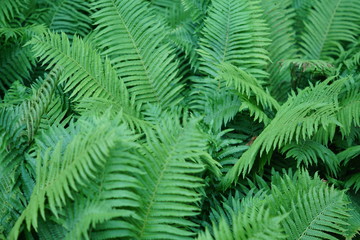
179,119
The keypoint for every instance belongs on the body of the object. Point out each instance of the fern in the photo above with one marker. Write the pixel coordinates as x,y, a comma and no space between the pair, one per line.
148,68
179,119
247,85
173,164
253,223
16,65
308,152
308,217
309,111
229,39
279,16
93,82
329,23
9,9
70,167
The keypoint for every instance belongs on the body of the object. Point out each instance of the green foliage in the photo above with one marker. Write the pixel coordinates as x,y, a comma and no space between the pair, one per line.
179,119
148,69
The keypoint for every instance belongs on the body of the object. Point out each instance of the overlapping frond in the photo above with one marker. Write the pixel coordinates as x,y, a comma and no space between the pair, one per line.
330,23
33,109
348,154
349,113
10,8
89,80
12,141
300,118
251,223
315,210
16,64
220,108
279,16
132,38
69,16
309,153
63,169
302,9
173,162
248,88
234,32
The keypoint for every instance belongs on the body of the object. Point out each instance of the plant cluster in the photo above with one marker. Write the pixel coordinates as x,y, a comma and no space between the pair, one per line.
179,119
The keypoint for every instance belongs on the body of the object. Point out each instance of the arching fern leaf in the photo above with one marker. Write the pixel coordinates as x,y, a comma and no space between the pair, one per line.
330,23
234,32
299,118
92,82
132,38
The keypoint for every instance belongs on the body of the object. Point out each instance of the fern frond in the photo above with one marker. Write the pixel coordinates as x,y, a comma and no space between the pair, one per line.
69,16
312,66
92,82
329,24
255,111
353,182
348,154
316,211
251,223
308,152
279,16
225,149
121,197
234,32
353,230
197,8
16,64
12,202
9,9
300,118
33,109
132,38
302,9
220,108
349,113
19,34
173,164
12,142
61,171
246,85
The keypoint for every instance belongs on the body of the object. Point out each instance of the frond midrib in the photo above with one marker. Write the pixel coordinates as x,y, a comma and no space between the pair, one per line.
168,159
137,50
333,204
113,98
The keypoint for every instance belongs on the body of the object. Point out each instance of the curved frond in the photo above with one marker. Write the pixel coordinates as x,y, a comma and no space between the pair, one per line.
33,109
173,164
69,16
349,113
246,85
63,169
220,109
9,9
300,118
329,24
353,182
348,154
279,16
302,9
251,223
308,153
132,38
316,211
16,64
234,32
91,82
